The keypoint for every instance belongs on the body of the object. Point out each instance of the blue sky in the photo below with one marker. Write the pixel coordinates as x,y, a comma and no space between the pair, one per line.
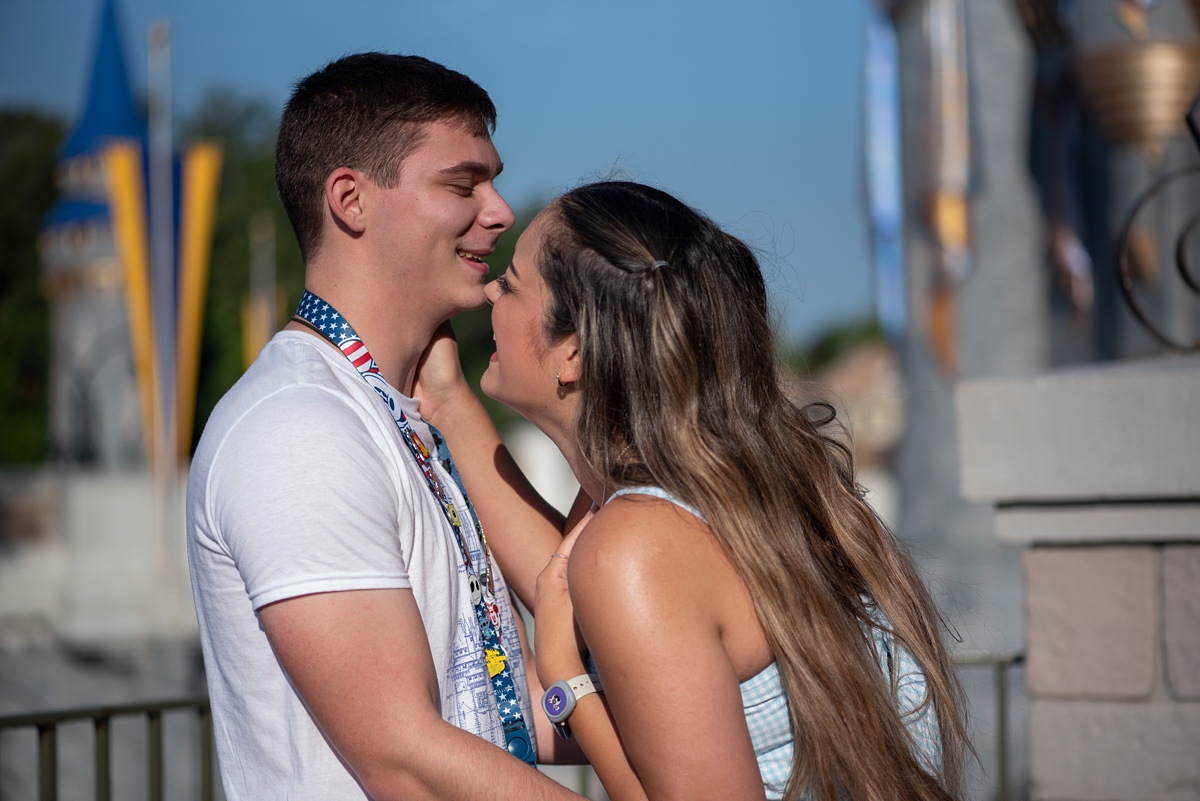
749,111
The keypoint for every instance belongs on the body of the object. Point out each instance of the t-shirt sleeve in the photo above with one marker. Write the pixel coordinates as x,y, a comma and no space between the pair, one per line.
304,496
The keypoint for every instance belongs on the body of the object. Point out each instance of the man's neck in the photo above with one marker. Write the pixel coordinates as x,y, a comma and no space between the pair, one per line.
394,338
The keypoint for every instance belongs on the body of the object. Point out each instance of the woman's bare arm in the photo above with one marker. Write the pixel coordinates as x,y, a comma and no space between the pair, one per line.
647,584
522,528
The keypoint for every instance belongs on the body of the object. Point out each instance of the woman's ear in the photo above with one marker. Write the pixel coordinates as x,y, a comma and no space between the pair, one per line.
343,194
571,366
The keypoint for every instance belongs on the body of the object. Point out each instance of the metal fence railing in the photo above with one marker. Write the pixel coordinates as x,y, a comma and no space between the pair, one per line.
101,717
47,724
1000,664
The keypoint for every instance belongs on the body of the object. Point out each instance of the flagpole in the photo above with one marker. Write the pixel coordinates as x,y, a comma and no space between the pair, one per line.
165,467
162,241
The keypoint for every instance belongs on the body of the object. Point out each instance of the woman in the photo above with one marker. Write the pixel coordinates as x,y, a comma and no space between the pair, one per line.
752,623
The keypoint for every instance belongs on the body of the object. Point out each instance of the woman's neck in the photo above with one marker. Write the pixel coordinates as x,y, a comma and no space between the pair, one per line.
561,431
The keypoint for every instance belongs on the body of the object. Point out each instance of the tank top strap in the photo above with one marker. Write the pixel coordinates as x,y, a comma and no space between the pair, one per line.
658,492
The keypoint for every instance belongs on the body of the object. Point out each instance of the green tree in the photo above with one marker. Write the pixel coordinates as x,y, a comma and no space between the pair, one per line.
831,345
29,144
245,127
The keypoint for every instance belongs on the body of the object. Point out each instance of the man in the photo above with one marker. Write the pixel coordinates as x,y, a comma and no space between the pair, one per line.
358,639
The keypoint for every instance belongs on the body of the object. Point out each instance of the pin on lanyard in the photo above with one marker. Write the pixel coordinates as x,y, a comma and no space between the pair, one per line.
325,320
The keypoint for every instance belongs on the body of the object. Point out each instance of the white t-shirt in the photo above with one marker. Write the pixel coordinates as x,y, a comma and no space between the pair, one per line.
301,484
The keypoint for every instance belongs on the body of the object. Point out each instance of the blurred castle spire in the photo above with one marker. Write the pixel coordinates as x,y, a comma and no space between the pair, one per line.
109,110
115,384
94,417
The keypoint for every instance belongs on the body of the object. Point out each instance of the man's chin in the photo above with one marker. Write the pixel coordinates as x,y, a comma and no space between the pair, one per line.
472,304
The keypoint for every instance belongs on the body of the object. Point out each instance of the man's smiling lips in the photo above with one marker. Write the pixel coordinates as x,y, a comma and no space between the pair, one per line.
475,259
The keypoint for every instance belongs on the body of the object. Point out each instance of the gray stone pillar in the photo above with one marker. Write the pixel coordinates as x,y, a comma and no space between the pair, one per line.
1095,473
1002,316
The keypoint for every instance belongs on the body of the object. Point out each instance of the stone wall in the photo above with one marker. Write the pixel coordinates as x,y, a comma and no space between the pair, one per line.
1097,473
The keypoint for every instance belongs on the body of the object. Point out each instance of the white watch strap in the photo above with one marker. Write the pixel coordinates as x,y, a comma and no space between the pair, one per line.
585,684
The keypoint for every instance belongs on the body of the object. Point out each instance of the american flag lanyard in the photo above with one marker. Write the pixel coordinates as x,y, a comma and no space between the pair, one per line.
325,320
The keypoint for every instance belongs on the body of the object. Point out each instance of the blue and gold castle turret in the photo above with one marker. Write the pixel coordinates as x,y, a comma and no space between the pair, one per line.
107,389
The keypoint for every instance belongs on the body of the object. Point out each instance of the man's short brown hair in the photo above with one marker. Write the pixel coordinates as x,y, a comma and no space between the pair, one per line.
366,112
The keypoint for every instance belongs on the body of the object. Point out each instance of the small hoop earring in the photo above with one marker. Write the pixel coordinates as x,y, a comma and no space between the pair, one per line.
558,380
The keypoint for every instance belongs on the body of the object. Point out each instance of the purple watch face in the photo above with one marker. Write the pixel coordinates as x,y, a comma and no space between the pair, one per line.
554,702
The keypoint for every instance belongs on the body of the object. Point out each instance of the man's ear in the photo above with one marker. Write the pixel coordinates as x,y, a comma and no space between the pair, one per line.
572,363
343,194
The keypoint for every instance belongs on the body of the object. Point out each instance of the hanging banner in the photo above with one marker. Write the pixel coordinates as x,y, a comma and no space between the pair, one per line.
200,180
126,186
884,179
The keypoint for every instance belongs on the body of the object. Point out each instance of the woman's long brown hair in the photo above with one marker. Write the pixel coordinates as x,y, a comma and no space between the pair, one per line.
679,364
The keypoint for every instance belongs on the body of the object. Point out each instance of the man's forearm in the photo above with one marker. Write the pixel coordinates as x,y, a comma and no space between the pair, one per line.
449,763
360,661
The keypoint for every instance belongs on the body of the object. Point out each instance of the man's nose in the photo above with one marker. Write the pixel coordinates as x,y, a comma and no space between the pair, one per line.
497,215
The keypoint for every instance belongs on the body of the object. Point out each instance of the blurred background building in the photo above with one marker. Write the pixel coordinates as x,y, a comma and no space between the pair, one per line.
95,606
1015,143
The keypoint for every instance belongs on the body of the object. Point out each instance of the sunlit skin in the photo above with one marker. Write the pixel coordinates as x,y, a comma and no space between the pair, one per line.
524,372
664,614
413,252
443,218
397,262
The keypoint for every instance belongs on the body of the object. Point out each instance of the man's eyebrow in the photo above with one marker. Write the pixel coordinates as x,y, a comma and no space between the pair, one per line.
472,168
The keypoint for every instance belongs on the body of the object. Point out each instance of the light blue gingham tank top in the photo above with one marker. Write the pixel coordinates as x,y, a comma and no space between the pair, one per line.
764,701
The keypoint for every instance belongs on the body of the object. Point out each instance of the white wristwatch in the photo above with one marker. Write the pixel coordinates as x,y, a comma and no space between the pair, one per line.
559,700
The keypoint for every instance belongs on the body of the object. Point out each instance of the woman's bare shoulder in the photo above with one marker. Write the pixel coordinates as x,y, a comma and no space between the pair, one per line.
642,549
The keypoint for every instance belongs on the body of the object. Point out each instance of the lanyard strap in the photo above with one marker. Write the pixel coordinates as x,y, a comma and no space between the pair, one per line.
324,319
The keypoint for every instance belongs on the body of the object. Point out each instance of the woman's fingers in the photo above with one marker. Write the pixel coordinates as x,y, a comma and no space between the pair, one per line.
439,371
569,541
558,643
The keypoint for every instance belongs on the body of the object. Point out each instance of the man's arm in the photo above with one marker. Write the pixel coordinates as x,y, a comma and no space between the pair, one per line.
360,661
